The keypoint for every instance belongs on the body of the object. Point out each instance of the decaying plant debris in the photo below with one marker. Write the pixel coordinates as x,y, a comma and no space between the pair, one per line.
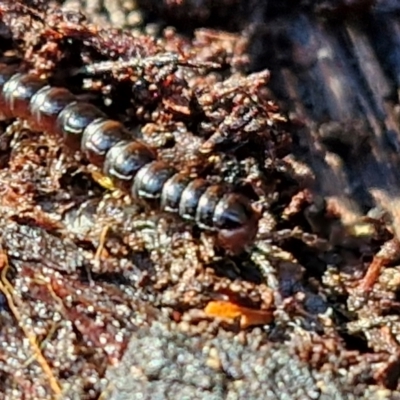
102,297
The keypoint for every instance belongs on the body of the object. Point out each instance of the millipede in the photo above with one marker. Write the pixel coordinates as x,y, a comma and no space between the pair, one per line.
129,163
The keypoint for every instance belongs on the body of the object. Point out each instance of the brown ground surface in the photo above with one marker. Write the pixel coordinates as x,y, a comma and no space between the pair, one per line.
102,298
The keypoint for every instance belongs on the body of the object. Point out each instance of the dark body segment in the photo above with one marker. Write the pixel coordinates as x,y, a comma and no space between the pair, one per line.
99,137
172,192
190,199
206,207
6,72
74,119
18,91
45,106
124,160
151,179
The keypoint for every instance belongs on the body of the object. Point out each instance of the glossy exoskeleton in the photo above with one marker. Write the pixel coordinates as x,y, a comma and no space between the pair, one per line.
130,164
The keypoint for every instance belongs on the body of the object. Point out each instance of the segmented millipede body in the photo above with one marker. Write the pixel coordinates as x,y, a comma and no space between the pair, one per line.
130,164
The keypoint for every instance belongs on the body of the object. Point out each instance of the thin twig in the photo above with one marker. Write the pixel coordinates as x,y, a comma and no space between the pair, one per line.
14,302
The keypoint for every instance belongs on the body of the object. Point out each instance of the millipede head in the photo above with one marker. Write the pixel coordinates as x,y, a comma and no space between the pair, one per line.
237,222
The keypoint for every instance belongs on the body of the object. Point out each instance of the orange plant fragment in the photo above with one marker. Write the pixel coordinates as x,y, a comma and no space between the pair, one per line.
248,316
